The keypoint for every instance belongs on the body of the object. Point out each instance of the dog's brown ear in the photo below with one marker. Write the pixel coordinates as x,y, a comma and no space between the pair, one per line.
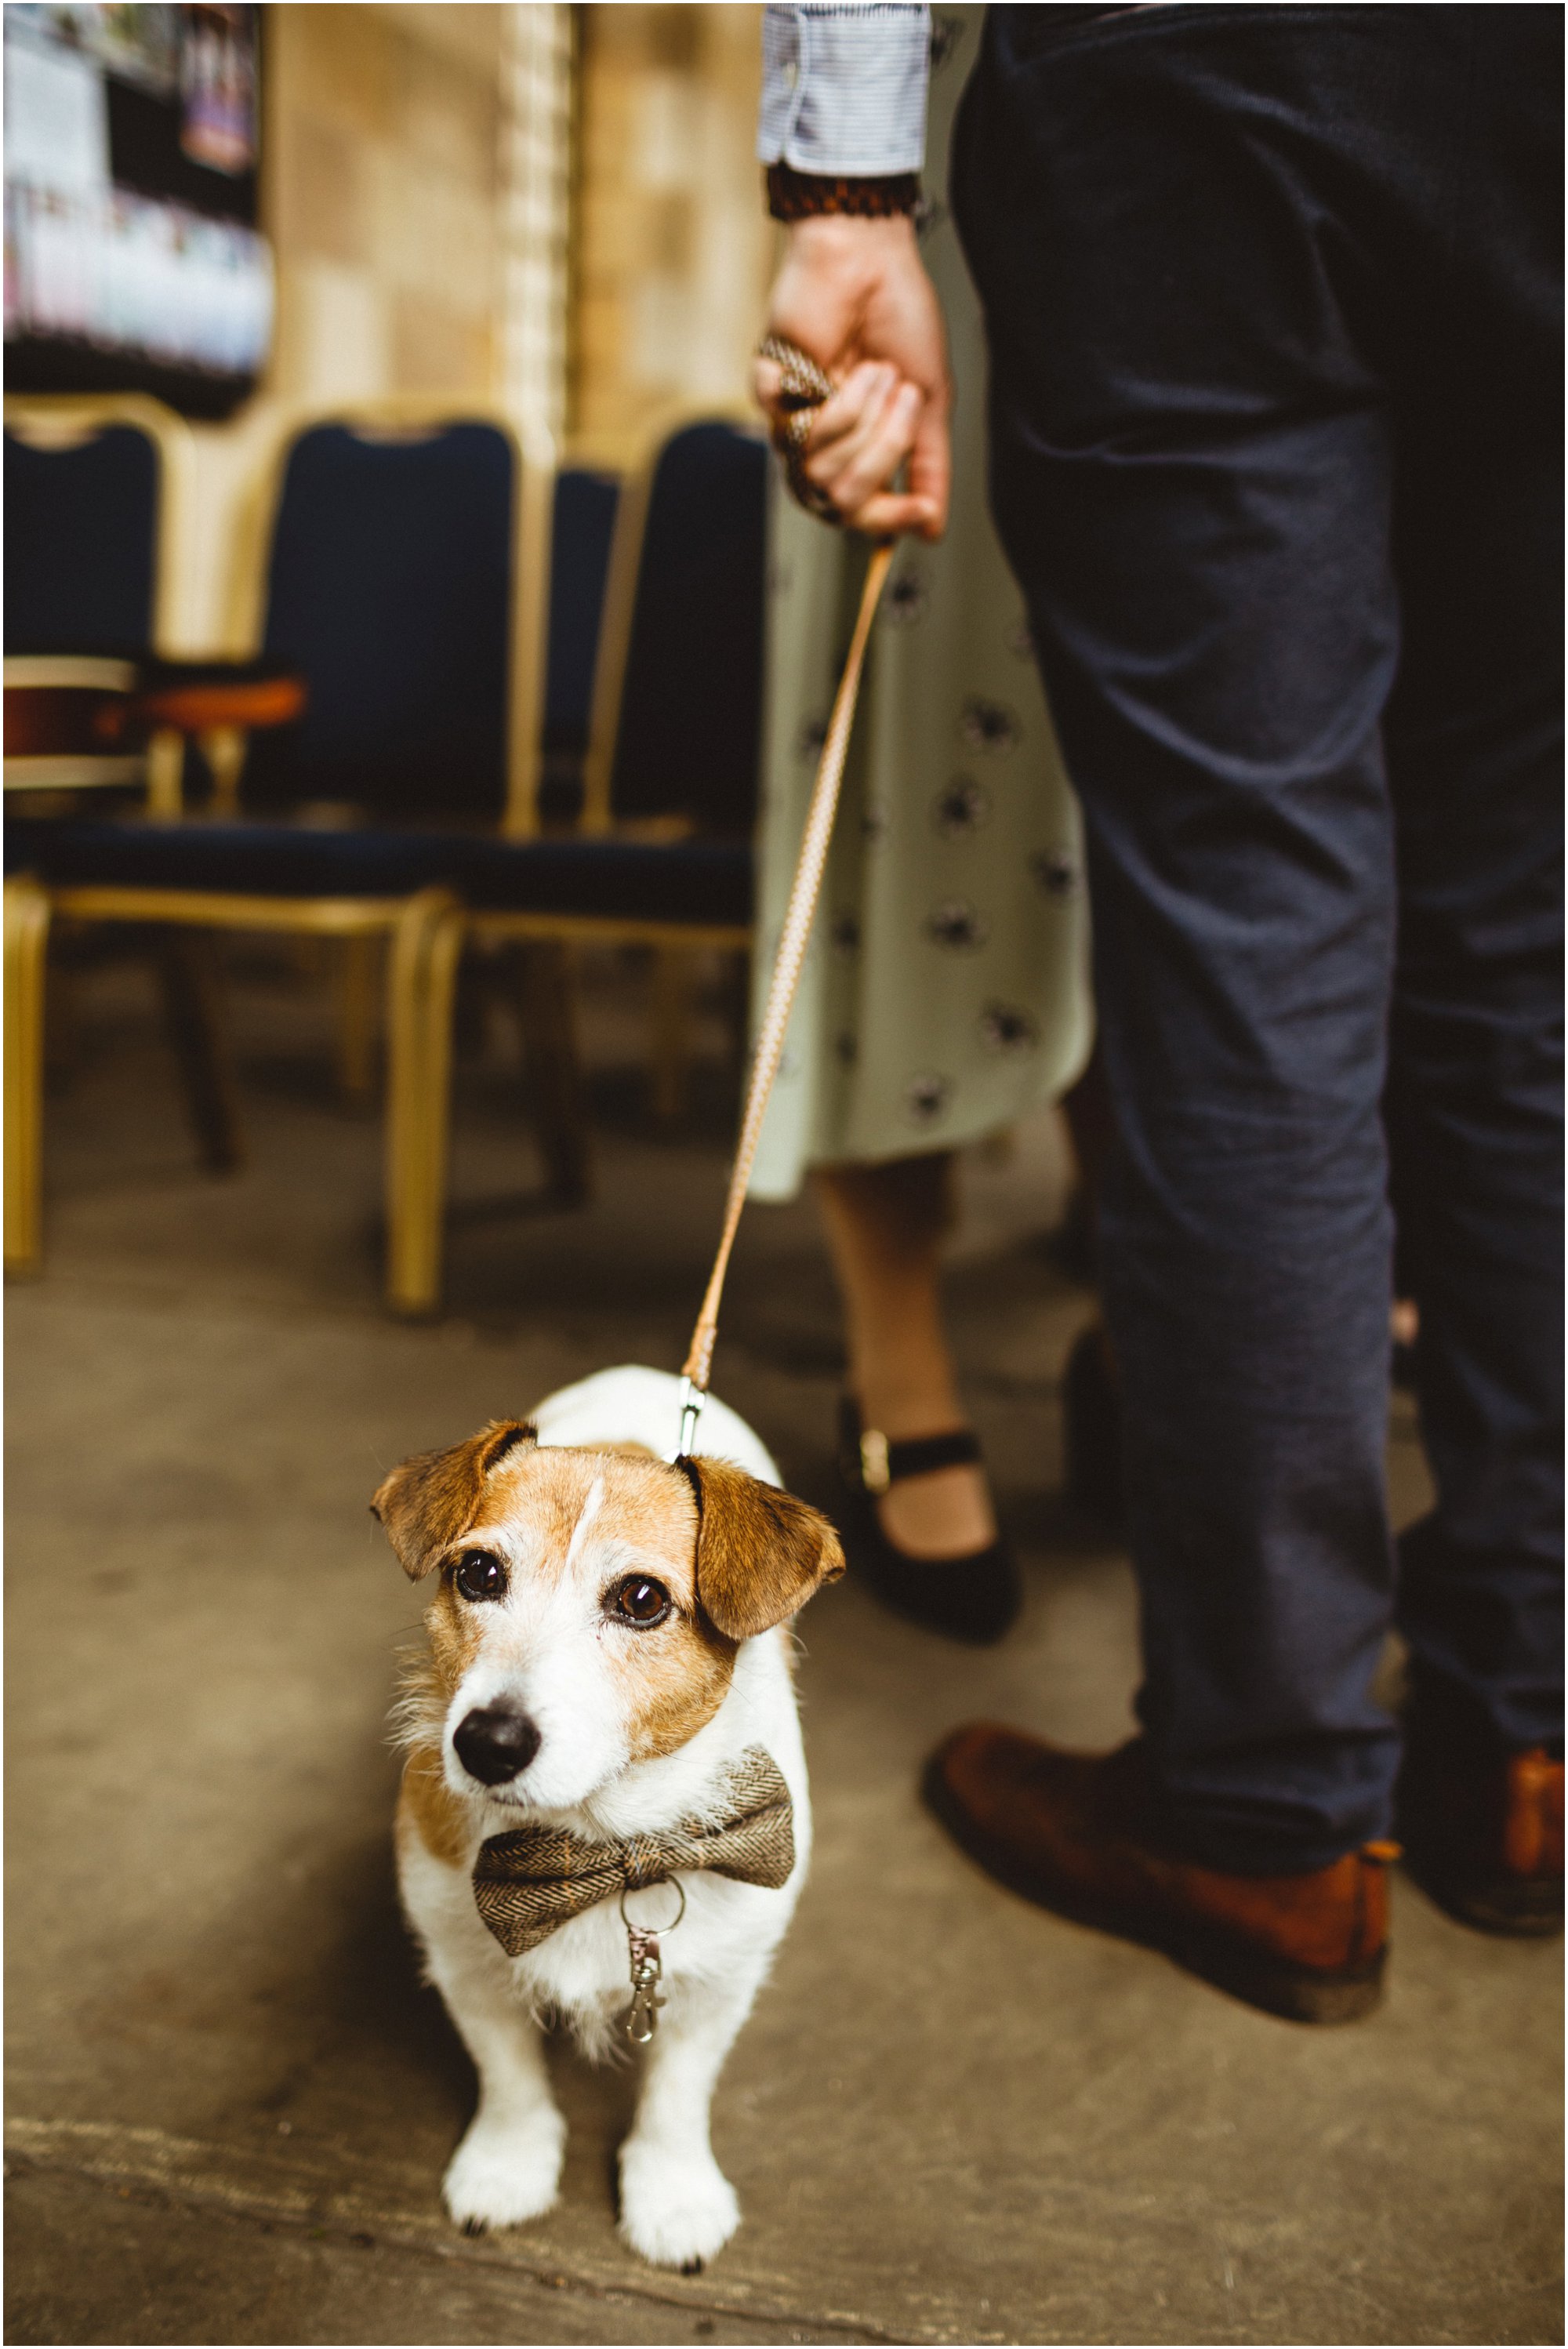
433,1499
761,1553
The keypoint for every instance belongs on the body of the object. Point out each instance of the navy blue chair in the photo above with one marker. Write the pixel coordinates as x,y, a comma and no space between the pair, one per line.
83,512
582,532
398,581
657,880
401,568
675,749
611,884
95,494
390,585
678,704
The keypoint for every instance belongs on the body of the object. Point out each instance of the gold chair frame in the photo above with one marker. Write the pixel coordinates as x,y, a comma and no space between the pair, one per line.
426,929
425,935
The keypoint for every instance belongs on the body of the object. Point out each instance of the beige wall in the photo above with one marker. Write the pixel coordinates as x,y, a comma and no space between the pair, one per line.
384,147
381,161
673,248
383,197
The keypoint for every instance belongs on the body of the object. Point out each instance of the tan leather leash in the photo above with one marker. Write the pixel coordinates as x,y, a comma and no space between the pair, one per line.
792,942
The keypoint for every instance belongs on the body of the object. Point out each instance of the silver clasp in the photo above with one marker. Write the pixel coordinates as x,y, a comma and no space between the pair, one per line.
692,1401
641,2019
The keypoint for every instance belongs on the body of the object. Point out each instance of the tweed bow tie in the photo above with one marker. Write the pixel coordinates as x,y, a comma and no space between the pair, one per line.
529,1881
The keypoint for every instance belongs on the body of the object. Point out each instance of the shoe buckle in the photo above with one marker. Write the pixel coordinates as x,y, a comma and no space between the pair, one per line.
874,1472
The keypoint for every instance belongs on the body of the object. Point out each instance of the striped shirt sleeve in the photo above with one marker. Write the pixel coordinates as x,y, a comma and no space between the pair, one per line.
843,87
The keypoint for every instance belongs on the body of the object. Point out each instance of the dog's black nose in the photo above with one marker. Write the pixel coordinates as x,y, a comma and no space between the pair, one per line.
494,1743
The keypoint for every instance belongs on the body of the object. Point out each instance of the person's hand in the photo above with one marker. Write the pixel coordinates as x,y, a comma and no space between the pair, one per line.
854,294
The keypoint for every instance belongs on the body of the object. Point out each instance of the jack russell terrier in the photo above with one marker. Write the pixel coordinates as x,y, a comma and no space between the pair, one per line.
603,1744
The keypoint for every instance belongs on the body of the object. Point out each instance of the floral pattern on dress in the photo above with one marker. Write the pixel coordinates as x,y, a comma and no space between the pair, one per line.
906,599
956,925
989,726
1008,1027
926,1096
961,806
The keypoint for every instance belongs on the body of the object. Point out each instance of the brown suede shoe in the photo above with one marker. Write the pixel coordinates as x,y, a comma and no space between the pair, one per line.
1074,1832
1483,1832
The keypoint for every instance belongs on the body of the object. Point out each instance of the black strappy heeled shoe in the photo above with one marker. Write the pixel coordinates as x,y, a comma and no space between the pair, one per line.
975,1597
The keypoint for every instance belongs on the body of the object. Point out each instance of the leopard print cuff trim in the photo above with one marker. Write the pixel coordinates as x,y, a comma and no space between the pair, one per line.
798,195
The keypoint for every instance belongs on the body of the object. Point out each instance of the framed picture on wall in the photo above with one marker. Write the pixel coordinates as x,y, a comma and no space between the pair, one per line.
133,260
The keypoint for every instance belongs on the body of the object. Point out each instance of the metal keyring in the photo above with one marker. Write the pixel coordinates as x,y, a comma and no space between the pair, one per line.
674,1920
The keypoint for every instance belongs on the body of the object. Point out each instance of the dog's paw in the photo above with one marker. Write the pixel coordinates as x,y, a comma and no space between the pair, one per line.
676,2210
505,2172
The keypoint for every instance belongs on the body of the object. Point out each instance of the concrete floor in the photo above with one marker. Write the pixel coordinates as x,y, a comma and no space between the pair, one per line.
951,2120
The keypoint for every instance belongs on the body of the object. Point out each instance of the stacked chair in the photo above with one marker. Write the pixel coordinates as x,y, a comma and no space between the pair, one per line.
95,492
399,562
402,564
587,501
92,487
678,720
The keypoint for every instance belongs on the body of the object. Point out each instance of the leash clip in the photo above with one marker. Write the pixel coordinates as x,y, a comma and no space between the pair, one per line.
692,1401
641,2019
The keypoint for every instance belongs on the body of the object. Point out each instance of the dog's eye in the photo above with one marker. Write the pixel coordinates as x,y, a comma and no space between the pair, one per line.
480,1575
640,1601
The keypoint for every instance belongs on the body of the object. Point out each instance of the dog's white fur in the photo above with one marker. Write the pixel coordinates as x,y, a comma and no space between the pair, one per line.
543,1651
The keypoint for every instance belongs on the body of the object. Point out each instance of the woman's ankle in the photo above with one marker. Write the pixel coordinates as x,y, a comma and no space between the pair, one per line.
904,1405
947,1514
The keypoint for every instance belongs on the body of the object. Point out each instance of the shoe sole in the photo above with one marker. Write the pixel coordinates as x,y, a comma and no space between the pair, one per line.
1276,1986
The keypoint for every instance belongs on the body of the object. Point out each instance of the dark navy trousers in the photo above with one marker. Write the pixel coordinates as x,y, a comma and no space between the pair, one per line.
1273,296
